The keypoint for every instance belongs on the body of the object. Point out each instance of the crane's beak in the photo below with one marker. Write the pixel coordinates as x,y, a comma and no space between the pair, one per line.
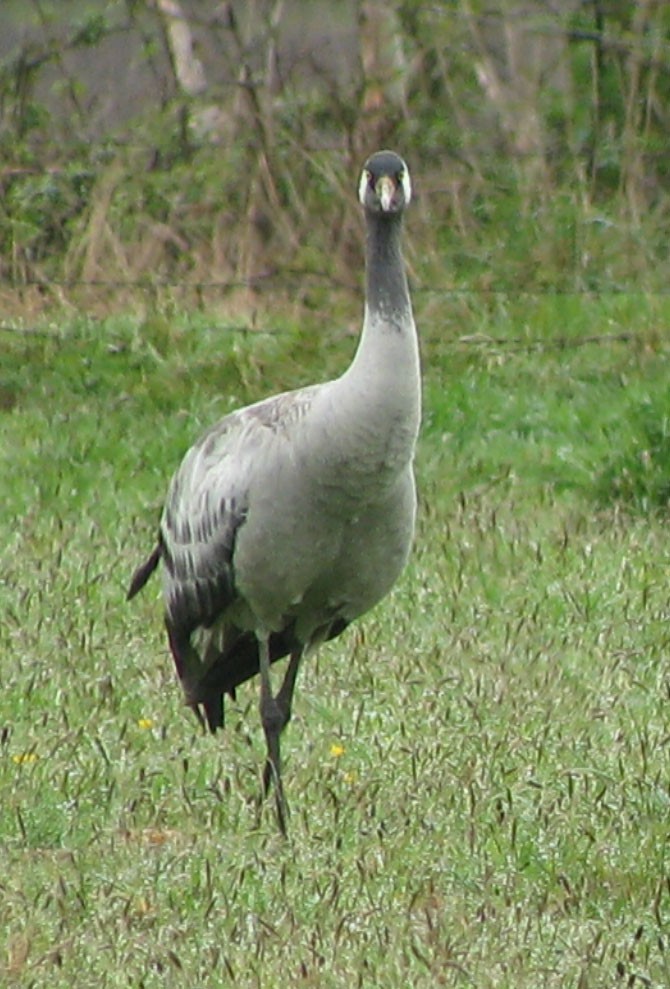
386,189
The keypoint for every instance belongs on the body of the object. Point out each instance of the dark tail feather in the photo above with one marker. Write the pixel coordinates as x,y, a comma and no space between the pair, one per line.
143,572
240,662
187,665
214,712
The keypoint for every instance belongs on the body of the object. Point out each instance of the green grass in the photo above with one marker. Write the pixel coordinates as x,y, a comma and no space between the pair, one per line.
495,811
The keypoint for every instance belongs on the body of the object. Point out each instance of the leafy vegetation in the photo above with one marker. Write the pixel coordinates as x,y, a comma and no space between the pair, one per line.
537,143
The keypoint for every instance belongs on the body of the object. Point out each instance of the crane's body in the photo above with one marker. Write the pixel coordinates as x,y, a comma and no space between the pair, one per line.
291,517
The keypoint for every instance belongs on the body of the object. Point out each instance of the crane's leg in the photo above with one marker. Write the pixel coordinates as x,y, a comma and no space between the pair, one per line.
275,715
283,701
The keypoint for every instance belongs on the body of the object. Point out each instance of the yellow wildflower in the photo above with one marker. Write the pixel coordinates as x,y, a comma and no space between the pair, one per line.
21,758
143,906
145,723
337,750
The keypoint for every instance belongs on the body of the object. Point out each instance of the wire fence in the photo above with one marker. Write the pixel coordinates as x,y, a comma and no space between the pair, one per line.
476,340
517,136
289,277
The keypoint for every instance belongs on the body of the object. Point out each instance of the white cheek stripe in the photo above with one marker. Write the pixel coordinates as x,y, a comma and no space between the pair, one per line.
363,185
406,186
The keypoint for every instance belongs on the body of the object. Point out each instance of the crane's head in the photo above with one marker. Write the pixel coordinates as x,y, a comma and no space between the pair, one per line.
385,186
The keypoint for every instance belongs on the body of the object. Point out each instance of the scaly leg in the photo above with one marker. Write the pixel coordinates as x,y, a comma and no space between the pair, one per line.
275,715
283,701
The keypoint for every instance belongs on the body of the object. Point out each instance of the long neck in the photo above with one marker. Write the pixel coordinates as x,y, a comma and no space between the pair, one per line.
383,380
387,294
373,409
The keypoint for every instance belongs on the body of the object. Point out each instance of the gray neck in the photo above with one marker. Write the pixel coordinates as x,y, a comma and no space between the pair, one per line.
386,281
377,401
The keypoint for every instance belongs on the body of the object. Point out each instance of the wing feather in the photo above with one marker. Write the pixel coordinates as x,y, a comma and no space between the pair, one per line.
207,504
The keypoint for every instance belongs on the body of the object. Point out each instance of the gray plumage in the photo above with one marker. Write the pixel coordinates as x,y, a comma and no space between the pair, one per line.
291,517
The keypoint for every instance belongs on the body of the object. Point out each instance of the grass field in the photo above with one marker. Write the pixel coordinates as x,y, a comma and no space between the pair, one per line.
478,771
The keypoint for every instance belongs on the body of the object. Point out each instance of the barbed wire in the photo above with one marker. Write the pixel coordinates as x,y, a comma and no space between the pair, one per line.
474,341
289,276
